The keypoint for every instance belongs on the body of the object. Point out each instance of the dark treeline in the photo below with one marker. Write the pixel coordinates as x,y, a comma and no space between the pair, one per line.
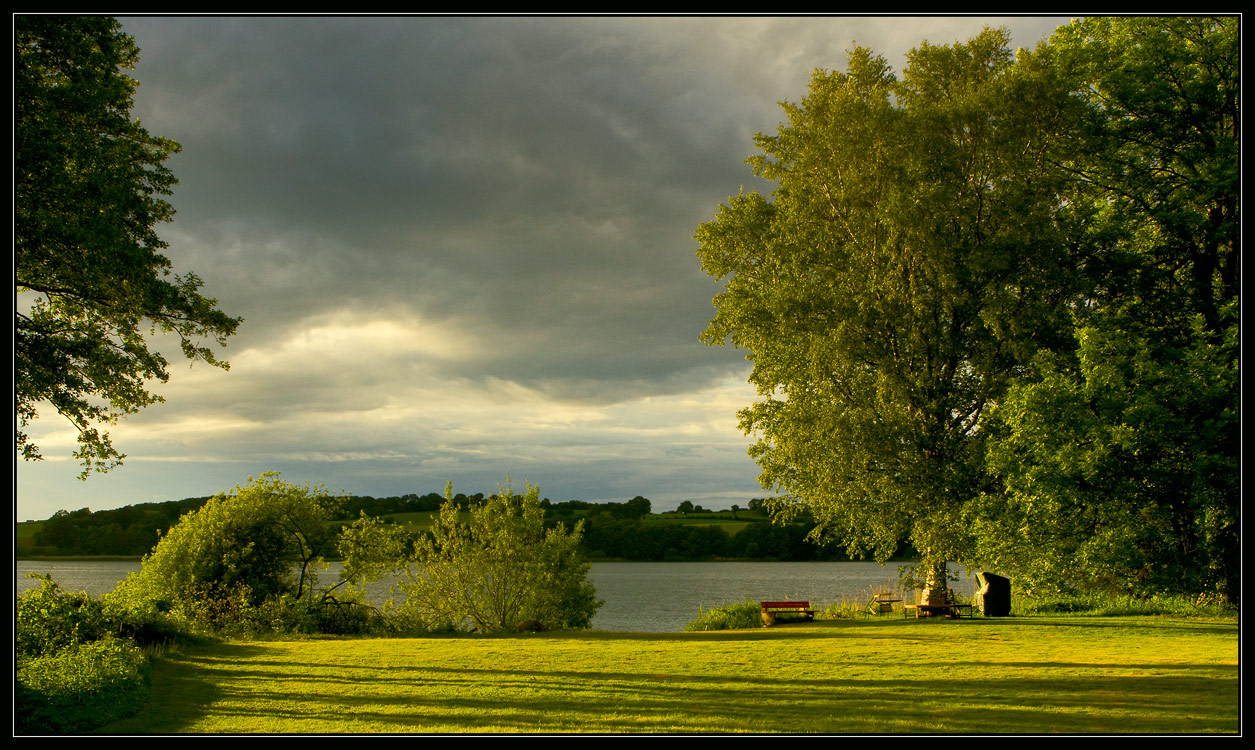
643,541
611,530
133,531
130,531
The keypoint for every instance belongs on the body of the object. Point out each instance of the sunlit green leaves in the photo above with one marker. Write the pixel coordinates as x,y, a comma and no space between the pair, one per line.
239,549
1120,456
891,286
499,569
1049,237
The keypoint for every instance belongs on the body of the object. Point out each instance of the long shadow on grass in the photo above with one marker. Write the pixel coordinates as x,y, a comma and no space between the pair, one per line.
445,699
258,684
184,687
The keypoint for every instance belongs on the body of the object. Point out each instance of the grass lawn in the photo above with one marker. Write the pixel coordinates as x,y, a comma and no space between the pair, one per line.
1023,675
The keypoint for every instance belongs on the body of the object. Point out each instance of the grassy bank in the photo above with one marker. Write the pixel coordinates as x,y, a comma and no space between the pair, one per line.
1022,675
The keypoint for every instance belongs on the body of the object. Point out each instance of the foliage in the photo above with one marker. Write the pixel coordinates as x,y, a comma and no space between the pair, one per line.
1120,456
48,619
842,610
88,183
370,548
72,672
909,262
637,507
132,530
80,687
737,616
993,305
498,570
611,530
639,540
222,562
1099,604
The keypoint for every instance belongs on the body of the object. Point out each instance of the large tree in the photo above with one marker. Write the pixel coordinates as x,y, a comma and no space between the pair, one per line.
90,274
912,259
1120,456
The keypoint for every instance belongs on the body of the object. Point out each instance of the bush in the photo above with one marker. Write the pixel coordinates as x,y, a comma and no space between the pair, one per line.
50,619
498,570
225,565
745,615
142,615
1111,605
72,672
343,615
80,687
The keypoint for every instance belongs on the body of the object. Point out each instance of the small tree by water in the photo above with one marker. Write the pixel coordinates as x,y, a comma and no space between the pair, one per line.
499,571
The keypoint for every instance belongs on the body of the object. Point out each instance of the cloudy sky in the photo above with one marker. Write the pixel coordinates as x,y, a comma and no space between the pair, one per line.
462,248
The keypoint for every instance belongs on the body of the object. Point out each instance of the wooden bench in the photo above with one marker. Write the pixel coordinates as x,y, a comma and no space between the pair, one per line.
772,609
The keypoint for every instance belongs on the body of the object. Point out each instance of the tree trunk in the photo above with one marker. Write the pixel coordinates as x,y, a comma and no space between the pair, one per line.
936,591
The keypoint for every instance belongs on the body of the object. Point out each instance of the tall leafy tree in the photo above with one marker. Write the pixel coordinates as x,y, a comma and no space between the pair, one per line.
913,258
1120,456
90,274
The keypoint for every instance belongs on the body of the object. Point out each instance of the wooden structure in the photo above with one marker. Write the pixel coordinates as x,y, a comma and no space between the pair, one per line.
772,609
882,602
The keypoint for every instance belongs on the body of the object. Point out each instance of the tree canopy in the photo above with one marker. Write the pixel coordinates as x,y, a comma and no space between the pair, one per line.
911,257
89,269
950,249
1120,455
238,551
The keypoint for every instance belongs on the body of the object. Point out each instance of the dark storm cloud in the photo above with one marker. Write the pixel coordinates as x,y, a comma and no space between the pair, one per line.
538,179
462,246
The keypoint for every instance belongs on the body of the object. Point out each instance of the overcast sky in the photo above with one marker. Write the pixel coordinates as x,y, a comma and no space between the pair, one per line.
462,247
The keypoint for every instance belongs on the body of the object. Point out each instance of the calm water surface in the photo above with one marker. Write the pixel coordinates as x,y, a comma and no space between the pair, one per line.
639,596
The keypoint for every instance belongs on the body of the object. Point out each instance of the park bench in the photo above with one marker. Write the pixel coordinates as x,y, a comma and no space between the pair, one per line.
772,609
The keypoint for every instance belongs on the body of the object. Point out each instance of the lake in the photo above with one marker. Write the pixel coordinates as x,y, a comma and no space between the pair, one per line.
640,597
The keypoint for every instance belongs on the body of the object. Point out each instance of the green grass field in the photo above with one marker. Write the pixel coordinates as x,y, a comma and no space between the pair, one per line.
1022,675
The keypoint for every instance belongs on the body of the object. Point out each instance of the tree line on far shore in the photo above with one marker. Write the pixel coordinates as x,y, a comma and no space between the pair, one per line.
620,531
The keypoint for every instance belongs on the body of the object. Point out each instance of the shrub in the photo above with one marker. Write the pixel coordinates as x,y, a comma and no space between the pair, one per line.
499,569
343,615
50,619
80,687
1113,605
747,614
72,673
221,563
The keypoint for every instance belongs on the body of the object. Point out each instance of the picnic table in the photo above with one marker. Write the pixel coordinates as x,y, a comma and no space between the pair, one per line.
772,609
882,603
